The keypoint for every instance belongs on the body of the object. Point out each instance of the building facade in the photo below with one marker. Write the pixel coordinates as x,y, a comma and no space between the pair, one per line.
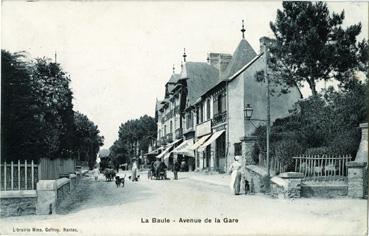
205,104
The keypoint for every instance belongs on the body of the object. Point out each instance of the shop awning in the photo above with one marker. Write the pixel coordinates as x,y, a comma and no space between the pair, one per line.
213,137
199,142
184,148
167,149
154,152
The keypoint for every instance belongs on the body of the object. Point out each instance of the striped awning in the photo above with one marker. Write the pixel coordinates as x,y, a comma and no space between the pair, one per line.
168,148
184,148
199,142
213,137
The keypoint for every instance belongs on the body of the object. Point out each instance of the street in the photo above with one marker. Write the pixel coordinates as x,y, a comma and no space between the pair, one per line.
188,205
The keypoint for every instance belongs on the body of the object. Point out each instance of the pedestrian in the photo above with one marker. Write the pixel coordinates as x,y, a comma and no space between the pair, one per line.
134,171
176,168
96,173
235,170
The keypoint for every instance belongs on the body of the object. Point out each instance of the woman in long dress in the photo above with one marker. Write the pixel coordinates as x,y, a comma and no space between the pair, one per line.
235,170
134,171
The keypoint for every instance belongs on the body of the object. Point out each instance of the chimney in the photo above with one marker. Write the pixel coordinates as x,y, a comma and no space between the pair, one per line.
219,60
265,41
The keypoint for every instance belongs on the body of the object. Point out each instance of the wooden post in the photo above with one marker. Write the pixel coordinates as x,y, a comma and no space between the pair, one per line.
19,175
300,164
25,174
4,175
33,175
12,175
339,165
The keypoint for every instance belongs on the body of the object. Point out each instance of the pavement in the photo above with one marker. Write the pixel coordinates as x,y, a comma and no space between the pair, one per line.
195,204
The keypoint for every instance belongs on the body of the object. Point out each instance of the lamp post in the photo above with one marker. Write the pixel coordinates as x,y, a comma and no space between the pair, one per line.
248,110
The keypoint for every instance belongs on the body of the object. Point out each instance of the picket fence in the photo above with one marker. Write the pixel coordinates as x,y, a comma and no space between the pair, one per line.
25,175
322,166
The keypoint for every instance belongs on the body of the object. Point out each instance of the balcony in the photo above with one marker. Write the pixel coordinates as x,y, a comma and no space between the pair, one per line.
178,133
219,118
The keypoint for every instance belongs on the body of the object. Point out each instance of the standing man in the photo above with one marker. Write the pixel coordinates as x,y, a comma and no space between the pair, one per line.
176,168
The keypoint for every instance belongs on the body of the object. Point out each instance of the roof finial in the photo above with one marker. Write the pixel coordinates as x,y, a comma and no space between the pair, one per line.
55,56
181,65
243,30
174,69
184,55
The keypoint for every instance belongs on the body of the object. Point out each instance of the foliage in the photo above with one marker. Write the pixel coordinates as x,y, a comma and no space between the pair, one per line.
37,111
323,124
311,45
87,139
134,137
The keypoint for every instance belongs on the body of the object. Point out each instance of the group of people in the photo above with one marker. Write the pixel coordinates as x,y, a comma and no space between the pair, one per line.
159,169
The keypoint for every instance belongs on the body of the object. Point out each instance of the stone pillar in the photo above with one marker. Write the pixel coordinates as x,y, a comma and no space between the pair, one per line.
362,153
356,181
212,157
247,148
293,186
46,197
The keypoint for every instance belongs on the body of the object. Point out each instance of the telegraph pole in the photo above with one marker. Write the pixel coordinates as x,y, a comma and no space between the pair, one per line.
268,108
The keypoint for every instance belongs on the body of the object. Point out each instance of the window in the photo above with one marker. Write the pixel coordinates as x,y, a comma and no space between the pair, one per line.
189,121
237,149
197,115
220,103
171,127
165,130
208,109
202,112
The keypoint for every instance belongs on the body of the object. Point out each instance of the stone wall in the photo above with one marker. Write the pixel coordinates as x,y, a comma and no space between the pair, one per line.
16,203
63,189
324,189
257,178
286,185
356,174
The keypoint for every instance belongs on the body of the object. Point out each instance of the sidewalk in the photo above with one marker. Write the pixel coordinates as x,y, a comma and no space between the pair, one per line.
214,178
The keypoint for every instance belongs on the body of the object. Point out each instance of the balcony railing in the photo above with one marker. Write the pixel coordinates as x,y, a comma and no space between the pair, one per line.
178,133
219,118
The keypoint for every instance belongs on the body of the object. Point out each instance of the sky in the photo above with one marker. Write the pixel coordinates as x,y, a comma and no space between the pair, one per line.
119,55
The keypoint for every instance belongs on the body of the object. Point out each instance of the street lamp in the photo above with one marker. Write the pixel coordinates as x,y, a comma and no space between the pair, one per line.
248,112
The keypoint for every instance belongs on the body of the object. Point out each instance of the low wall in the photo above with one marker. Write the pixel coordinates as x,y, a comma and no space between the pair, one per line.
43,201
16,203
62,189
257,177
324,189
286,185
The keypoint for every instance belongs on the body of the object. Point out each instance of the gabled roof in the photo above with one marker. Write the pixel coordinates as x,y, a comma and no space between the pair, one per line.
200,77
174,78
243,54
171,84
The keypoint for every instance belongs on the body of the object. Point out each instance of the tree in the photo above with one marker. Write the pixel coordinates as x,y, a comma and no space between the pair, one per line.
50,87
311,45
87,139
133,135
19,123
